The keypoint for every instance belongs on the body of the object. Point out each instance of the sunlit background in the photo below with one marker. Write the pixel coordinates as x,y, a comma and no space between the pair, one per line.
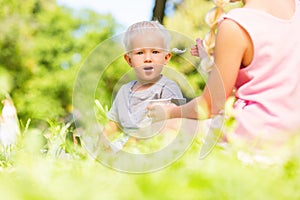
125,12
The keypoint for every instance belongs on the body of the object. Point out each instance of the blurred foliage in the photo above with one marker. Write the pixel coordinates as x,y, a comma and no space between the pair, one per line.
189,17
42,46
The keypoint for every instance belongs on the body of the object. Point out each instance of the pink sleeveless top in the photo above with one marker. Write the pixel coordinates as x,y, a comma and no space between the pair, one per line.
268,90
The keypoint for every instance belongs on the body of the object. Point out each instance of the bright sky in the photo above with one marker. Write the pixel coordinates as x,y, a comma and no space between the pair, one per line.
125,12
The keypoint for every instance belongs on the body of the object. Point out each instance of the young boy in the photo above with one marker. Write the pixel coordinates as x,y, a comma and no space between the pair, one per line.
147,46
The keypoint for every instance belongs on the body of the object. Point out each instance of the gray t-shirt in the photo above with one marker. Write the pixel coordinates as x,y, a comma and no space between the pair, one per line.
129,108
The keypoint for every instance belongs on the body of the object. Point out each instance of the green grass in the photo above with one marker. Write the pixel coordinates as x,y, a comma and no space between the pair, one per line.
47,165
32,174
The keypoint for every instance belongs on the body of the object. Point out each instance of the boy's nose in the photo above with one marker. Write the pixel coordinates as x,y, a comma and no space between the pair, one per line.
148,57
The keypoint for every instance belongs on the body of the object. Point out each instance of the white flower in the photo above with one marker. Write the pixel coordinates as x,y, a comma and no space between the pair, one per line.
9,126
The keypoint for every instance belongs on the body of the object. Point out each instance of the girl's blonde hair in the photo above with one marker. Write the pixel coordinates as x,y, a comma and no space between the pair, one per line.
212,19
146,26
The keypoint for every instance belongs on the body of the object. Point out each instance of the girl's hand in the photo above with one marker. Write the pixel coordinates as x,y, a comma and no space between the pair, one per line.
159,112
198,49
194,51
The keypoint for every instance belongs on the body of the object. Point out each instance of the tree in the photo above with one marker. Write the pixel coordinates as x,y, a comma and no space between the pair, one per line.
159,10
43,46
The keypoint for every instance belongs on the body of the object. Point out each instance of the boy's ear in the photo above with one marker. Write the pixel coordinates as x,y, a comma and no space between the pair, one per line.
128,59
167,57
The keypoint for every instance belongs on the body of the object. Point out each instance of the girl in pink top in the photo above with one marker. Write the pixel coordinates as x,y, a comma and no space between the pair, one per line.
257,51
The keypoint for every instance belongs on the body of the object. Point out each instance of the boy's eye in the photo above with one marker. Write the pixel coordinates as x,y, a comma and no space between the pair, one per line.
155,52
139,53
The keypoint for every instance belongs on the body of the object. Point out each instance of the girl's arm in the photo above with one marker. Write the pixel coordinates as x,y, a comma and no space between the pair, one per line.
232,50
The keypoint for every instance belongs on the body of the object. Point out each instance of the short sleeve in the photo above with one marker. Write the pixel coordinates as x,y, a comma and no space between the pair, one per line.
171,90
119,109
112,114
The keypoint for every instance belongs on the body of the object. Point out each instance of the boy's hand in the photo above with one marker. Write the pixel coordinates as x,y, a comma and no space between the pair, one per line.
159,112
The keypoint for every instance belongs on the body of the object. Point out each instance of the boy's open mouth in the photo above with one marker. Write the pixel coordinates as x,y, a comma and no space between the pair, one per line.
149,69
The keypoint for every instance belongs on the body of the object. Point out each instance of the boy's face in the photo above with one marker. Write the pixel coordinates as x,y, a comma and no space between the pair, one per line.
147,56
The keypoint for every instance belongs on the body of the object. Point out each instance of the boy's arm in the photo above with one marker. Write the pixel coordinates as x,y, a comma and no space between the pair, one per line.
110,129
171,90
